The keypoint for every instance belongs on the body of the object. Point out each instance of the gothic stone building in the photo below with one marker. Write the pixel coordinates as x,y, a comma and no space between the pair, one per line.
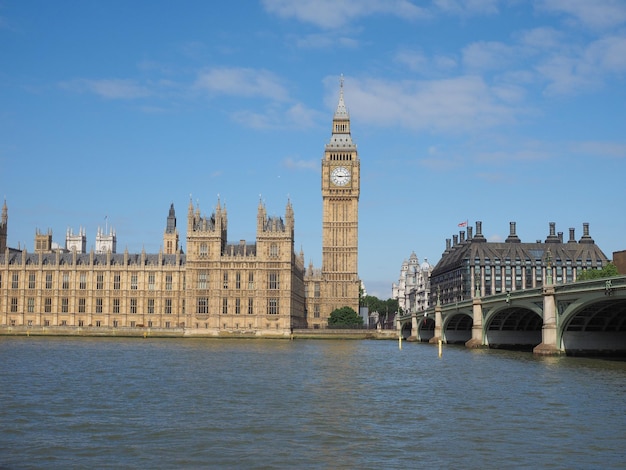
413,287
217,287
337,283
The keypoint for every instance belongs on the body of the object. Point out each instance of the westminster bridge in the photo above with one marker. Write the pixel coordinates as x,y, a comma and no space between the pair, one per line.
585,317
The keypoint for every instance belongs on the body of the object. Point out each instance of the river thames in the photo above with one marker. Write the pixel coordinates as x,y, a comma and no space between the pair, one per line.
215,403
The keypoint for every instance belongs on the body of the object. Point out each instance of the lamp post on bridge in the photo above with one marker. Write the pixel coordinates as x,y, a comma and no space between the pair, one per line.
548,267
477,283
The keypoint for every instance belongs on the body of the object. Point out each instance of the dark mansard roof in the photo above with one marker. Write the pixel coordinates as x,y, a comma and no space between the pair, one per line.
478,249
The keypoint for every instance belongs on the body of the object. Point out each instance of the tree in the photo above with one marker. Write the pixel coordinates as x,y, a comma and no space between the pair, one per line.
344,317
382,307
610,270
374,304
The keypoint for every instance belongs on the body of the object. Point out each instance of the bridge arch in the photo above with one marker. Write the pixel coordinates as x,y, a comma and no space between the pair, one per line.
593,325
514,326
425,328
406,330
457,327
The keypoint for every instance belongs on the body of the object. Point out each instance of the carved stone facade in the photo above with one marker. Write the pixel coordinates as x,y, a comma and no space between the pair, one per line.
217,287
413,287
241,286
337,283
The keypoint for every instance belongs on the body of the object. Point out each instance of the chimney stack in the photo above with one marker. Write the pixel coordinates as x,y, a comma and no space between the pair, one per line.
512,238
572,237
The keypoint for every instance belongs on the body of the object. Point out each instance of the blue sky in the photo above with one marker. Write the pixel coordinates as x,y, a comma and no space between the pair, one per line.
486,110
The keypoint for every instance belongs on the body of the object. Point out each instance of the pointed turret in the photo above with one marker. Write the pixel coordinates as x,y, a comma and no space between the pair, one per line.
4,227
190,218
221,223
170,237
171,220
289,217
260,217
5,215
341,138
342,111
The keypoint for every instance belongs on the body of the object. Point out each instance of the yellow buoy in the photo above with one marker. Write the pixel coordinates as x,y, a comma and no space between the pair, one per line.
440,347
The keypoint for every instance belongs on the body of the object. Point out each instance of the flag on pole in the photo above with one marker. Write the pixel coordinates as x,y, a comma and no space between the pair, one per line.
463,224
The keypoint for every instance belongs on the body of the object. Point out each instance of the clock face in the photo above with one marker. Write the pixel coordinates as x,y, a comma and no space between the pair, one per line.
340,176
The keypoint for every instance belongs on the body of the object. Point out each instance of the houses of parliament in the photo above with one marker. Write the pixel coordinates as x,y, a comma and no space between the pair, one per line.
213,287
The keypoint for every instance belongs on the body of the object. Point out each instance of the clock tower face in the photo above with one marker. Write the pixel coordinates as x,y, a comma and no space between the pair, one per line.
340,176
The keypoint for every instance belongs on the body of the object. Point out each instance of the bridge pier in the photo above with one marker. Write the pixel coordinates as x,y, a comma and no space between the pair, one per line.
414,327
438,325
477,340
549,331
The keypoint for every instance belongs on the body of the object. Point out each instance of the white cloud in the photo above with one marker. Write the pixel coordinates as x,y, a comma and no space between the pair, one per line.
594,14
485,55
584,68
560,62
467,6
544,38
454,105
417,61
495,238
607,54
331,14
600,149
323,41
413,60
254,120
276,116
302,117
238,81
301,164
108,88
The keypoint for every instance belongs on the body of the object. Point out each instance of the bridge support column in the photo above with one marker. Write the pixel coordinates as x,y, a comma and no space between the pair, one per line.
414,322
548,346
477,340
438,325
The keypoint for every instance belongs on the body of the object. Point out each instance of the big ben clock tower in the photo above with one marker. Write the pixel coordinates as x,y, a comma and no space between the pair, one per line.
340,194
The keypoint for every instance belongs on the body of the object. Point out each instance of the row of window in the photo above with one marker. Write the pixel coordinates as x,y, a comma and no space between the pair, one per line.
202,306
98,323
82,305
203,250
538,261
273,280
340,156
82,281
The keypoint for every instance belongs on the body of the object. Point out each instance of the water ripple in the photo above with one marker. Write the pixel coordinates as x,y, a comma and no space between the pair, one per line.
119,403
